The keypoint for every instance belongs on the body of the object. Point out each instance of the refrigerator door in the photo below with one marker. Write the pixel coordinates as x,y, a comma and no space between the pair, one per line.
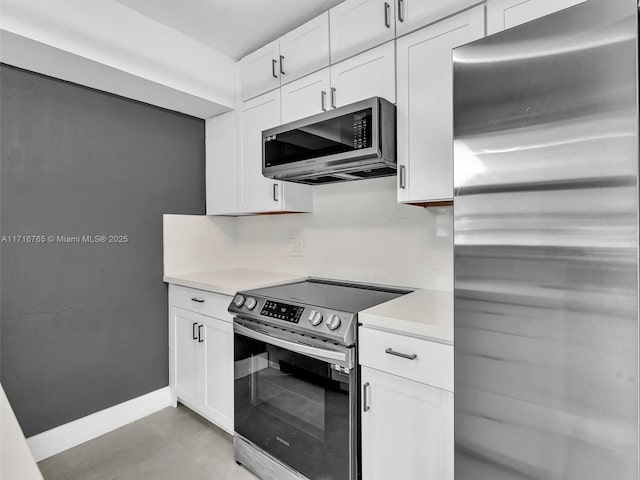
546,248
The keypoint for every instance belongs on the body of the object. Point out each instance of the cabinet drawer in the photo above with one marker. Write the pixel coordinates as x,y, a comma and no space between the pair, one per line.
432,364
200,301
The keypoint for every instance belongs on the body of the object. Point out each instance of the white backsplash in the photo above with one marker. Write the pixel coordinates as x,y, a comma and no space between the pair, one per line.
195,243
357,232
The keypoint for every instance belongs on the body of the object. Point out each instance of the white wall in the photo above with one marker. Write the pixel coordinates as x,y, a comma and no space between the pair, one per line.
195,243
357,232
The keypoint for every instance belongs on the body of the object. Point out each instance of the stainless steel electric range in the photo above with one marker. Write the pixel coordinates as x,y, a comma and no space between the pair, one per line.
296,378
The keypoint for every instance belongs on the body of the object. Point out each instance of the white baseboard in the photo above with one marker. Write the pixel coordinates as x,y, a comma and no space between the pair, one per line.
59,439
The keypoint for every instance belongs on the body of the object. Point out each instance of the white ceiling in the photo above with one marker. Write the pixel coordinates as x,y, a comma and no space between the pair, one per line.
233,27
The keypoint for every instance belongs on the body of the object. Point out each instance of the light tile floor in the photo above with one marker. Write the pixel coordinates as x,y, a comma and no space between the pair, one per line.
172,444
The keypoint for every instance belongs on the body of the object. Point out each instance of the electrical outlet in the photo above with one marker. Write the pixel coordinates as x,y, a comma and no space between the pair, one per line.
297,247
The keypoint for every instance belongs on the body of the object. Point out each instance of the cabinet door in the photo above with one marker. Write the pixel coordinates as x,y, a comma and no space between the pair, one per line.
357,25
217,364
260,71
414,14
503,14
257,193
221,163
306,96
370,74
407,431
305,49
425,106
185,357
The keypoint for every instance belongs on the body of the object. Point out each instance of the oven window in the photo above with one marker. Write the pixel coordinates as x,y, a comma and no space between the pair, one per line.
294,407
336,135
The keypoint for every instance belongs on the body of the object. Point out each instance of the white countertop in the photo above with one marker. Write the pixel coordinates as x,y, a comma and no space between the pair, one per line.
228,282
424,313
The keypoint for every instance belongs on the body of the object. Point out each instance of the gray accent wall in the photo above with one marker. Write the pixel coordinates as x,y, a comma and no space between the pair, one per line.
84,325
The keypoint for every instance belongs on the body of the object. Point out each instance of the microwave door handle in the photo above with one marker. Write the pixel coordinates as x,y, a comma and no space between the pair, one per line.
328,355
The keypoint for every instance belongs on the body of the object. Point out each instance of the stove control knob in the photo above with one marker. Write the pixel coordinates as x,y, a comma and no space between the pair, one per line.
334,322
315,318
238,300
250,303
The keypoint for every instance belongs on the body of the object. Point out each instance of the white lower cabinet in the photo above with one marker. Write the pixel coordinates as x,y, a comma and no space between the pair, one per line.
407,431
201,358
217,364
407,425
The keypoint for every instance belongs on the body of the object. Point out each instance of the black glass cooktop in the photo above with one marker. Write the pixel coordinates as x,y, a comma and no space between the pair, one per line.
346,297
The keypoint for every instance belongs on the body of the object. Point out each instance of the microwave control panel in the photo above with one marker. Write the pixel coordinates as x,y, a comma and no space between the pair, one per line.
360,132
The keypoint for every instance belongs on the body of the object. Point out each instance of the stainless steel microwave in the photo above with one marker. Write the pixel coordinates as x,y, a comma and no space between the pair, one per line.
347,143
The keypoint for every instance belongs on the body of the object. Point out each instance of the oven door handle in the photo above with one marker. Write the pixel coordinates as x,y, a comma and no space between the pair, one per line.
320,353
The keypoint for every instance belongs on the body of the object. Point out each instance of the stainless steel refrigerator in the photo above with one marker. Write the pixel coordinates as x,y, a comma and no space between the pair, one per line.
546,248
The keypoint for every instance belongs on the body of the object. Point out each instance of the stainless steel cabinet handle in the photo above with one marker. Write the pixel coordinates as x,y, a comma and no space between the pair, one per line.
365,398
275,192
273,68
193,331
200,339
402,180
198,300
401,10
390,351
323,100
333,97
387,19
282,64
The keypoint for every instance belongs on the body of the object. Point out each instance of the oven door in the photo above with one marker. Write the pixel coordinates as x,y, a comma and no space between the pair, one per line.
296,401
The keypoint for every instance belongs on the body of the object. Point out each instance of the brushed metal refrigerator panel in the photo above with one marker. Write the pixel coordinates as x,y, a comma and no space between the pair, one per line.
546,248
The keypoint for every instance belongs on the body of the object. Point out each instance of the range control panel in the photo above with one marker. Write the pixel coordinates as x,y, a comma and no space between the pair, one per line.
282,311
315,321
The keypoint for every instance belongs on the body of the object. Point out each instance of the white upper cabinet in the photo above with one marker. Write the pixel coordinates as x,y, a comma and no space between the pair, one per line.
357,25
425,106
413,14
305,97
221,154
503,14
370,74
298,53
305,49
256,193
260,71
234,181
